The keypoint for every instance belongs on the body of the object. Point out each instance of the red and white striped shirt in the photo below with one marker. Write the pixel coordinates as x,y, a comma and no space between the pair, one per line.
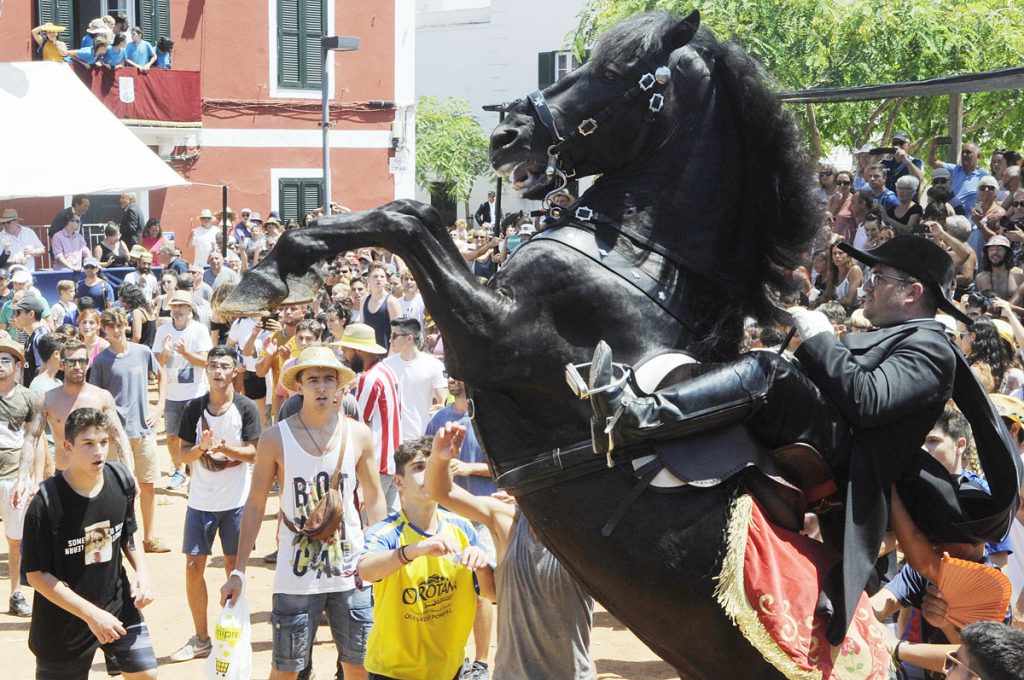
380,408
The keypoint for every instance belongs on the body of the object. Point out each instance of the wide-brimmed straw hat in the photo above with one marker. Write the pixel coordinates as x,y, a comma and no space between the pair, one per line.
13,348
361,337
206,213
140,253
9,215
50,27
316,357
926,261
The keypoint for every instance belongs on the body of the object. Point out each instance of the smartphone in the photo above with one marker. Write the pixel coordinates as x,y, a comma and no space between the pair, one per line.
944,140
882,150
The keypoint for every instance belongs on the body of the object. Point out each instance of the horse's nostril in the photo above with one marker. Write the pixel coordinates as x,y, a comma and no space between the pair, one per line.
503,137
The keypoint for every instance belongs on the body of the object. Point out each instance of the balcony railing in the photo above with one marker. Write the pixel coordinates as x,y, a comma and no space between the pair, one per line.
158,96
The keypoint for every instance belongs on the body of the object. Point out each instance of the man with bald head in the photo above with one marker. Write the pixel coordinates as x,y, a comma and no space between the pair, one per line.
965,176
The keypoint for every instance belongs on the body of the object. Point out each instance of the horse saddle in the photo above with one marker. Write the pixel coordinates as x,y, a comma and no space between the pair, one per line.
788,481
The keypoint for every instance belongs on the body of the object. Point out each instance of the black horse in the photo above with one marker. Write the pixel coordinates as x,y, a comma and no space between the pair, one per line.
702,205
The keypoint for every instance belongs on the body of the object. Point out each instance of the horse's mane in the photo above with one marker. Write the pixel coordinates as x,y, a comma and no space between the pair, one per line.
779,215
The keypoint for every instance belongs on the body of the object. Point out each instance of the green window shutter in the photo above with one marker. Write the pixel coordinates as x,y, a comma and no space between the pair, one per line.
155,19
545,69
298,197
60,12
300,25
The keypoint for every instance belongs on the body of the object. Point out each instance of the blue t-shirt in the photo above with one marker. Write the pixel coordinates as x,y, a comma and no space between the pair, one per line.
139,53
113,57
84,55
101,290
887,199
163,59
87,40
470,452
964,186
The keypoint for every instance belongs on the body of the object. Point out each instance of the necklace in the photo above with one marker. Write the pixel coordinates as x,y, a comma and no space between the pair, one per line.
310,435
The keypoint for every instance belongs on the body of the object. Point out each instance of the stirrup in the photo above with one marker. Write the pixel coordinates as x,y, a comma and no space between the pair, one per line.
581,387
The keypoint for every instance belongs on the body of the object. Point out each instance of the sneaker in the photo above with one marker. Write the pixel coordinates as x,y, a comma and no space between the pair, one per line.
177,481
19,606
155,545
478,671
193,649
270,557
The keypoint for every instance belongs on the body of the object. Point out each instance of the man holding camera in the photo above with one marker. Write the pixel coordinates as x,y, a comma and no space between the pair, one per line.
901,163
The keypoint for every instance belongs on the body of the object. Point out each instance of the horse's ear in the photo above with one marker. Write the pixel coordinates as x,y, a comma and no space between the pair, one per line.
682,33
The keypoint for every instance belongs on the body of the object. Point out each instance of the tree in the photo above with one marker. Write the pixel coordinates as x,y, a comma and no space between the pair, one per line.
451,147
810,44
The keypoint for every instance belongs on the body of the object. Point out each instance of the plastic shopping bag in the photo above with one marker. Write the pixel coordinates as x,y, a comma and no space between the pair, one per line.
231,658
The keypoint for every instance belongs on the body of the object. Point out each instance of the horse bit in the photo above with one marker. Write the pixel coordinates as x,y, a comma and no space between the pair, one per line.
649,81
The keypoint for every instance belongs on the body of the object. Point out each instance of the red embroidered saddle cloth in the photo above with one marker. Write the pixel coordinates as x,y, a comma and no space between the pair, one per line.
769,587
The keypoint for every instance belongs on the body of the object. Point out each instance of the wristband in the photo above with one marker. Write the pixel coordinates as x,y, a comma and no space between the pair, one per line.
239,574
896,652
402,557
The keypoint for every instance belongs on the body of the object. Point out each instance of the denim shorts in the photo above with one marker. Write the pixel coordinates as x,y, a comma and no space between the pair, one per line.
133,654
201,527
294,620
173,411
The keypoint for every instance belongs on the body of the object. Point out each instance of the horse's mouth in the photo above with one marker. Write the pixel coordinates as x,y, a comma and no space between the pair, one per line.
526,176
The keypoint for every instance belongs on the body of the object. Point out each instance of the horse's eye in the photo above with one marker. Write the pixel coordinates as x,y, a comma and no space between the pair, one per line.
610,75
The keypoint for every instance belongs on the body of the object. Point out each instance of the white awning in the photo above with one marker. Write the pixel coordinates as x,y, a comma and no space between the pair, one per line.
57,139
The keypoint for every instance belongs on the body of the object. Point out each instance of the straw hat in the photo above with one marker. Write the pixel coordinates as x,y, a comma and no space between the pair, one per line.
1009,407
50,27
1005,331
317,356
10,214
361,337
181,297
140,253
13,348
206,213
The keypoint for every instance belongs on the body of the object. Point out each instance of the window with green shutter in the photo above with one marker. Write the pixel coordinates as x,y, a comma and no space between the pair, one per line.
298,197
300,25
155,19
60,12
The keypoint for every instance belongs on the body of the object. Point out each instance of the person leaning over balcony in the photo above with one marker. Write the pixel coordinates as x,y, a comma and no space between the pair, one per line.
164,47
140,53
90,56
116,57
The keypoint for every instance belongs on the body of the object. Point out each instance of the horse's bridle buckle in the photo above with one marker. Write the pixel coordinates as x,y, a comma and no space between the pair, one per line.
647,81
587,127
657,101
584,214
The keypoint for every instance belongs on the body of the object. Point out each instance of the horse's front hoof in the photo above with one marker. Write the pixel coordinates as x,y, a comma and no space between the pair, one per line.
303,289
257,293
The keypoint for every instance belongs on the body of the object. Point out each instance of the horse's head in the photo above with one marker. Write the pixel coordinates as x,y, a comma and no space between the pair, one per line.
586,123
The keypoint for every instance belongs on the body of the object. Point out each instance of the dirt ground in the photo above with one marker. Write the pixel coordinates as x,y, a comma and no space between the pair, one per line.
616,652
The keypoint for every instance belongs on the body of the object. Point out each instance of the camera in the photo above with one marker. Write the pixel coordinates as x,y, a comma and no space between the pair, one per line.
982,302
1006,223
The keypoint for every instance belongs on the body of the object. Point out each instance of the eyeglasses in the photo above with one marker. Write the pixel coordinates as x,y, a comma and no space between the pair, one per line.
1017,204
223,368
76,362
939,180
843,182
952,660
986,187
872,279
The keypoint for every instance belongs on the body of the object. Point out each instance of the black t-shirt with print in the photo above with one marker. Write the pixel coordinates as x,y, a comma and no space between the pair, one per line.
87,558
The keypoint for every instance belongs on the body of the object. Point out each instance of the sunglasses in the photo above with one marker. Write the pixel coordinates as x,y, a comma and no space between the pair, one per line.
824,174
987,187
76,362
952,661
939,180
1017,204
843,182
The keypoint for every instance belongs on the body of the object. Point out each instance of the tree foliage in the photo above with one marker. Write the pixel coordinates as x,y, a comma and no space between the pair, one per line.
810,44
451,147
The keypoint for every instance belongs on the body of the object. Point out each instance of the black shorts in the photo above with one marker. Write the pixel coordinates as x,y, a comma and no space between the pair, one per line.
133,654
254,386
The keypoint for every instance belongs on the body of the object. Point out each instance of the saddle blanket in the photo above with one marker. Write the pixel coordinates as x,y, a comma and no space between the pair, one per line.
769,587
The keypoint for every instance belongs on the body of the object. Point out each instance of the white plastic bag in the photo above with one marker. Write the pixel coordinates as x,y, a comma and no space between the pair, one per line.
231,658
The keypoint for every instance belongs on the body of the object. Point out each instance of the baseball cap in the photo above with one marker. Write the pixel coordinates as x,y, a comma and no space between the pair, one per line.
90,262
32,302
21,276
940,173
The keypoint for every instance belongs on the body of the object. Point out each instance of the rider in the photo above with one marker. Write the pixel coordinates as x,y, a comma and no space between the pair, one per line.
883,389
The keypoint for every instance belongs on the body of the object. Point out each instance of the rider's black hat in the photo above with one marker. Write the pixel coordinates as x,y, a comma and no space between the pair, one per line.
925,260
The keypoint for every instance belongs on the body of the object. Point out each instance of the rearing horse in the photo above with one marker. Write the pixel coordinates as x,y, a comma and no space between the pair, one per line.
703,202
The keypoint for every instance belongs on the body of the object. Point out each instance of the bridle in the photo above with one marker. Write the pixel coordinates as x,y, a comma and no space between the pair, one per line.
558,165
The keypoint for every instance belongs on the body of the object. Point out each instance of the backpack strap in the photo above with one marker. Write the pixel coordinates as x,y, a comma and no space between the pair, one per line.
54,512
124,478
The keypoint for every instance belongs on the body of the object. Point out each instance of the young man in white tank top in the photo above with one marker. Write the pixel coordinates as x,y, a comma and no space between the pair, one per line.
301,453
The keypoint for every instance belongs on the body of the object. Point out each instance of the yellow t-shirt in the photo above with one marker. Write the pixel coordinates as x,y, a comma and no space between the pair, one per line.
51,53
422,613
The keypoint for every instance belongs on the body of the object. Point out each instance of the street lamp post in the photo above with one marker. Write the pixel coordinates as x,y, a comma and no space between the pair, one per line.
341,43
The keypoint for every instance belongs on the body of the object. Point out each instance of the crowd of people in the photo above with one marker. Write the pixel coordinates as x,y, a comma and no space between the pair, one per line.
347,393
107,43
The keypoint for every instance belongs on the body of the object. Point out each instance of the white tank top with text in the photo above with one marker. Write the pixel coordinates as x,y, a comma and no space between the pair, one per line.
304,566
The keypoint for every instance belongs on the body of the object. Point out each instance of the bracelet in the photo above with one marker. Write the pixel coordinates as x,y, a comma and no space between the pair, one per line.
402,557
896,652
240,574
